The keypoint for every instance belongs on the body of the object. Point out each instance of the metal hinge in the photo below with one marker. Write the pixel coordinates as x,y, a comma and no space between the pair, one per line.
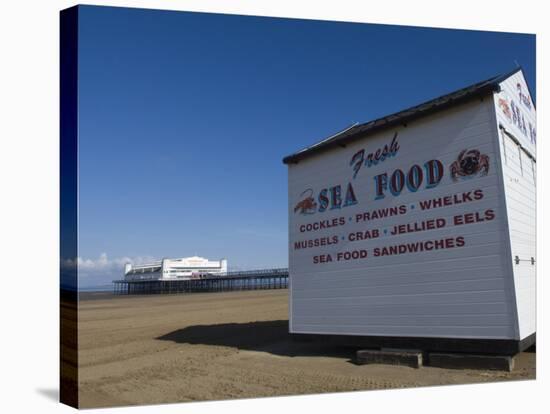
517,260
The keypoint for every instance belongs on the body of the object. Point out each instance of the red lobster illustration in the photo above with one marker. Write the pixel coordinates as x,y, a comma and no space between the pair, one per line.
469,163
503,104
308,204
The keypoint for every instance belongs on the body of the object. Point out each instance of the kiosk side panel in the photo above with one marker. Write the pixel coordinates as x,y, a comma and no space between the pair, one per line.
401,233
517,134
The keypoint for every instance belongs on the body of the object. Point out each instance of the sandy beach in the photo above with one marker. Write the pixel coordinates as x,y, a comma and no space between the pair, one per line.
213,346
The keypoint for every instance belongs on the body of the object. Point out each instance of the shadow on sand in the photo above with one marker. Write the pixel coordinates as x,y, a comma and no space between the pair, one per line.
263,336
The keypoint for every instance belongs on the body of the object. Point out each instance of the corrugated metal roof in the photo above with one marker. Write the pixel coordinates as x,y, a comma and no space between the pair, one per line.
358,131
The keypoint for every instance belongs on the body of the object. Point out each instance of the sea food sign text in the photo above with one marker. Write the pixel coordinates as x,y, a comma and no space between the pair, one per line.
417,176
469,163
514,111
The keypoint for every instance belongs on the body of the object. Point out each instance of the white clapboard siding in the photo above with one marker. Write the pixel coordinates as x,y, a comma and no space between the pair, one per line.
472,291
463,292
519,182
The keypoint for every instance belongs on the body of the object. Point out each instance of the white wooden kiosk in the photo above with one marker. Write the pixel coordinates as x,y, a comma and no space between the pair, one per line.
417,230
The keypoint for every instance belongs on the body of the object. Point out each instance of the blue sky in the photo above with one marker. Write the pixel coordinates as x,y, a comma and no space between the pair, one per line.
184,119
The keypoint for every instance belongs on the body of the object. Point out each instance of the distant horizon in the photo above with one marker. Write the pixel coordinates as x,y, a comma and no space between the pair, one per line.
184,119
108,285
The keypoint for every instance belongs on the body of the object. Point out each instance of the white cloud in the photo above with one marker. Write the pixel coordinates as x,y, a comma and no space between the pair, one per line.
102,270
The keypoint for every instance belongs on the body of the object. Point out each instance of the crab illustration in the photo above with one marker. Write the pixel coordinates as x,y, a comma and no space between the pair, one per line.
469,163
503,104
307,205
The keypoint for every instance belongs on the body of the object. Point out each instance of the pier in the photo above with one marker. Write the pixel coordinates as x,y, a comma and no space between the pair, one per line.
236,280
